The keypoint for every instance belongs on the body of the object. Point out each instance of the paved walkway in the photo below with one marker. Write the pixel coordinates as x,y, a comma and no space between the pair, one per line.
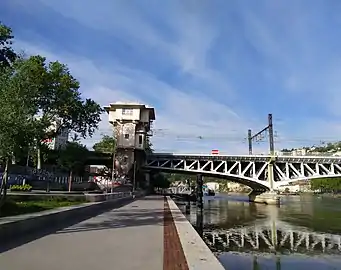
127,238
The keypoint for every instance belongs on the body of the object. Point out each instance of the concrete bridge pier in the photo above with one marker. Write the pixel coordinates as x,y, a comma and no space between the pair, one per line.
262,195
147,179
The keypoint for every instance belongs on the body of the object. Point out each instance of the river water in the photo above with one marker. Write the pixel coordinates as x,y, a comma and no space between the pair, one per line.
304,232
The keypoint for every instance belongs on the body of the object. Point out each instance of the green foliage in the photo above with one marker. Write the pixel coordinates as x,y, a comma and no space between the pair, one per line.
32,87
106,145
159,180
73,157
17,107
7,54
12,208
59,101
25,187
323,148
326,184
149,146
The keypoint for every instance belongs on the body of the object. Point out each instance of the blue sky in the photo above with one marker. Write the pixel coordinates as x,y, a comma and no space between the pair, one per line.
211,68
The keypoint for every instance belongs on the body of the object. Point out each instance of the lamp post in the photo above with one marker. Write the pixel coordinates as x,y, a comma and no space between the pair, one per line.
113,164
134,179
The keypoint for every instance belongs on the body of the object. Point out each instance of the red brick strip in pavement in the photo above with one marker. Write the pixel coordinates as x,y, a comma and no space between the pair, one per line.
173,254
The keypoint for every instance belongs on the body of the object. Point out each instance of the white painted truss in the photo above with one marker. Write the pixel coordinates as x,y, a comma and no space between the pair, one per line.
251,170
273,236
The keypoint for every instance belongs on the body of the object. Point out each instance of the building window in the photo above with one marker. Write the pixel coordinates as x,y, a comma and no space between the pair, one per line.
127,111
140,139
126,136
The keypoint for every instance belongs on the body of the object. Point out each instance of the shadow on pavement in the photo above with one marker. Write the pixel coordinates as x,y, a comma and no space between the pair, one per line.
130,216
7,244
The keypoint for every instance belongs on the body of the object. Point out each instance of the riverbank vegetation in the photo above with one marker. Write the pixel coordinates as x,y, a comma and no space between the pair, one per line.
323,148
326,185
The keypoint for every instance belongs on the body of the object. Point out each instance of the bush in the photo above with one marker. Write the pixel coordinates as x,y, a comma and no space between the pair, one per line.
21,187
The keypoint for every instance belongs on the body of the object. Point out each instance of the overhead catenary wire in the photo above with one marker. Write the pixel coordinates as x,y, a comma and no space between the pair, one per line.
228,137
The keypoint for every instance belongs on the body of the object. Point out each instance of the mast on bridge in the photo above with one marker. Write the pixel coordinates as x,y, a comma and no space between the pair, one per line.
268,128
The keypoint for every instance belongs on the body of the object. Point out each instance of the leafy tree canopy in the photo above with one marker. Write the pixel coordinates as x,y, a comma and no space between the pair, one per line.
159,180
106,145
7,54
326,184
50,91
73,156
17,106
59,102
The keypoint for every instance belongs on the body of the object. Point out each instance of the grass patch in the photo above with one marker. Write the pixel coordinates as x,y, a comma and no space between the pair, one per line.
13,208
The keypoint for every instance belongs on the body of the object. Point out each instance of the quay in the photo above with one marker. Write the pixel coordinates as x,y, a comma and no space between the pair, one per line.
146,233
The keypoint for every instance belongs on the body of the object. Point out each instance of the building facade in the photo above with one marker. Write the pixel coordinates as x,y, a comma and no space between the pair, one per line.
131,127
59,141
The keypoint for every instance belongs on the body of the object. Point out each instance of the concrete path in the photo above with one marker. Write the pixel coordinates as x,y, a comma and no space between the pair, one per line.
127,238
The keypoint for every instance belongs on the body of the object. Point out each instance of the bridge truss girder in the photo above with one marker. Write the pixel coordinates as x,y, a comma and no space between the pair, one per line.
253,173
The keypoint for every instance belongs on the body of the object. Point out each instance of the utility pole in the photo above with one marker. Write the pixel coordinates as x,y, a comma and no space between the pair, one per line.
271,135
268,128
249,138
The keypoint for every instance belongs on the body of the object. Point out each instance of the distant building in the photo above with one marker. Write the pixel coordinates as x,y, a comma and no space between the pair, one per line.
58,142
294,152
236,187
213,186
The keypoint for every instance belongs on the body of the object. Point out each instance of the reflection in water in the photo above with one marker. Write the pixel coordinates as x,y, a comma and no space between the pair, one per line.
304,232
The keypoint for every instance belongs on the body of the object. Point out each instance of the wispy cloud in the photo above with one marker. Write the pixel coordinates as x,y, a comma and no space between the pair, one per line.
212,69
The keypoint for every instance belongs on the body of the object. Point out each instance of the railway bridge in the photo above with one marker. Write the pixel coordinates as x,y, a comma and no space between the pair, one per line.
263,173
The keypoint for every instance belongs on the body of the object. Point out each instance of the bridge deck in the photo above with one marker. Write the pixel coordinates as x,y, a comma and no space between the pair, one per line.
130,237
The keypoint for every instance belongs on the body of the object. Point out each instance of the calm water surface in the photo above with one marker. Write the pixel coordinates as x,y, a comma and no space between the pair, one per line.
303,233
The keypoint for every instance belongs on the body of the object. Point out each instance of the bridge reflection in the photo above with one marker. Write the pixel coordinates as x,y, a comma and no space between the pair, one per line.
272,236
244,227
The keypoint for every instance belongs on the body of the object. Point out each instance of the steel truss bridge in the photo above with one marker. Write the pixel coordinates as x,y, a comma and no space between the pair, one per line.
273,236
250,170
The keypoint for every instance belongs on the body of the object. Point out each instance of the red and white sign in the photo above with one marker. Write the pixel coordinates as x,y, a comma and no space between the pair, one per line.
215,152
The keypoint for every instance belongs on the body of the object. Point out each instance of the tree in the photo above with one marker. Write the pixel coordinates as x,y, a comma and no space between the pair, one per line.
7,54
73,158
31,87
17,108
159,180
60,105
326,184
106,145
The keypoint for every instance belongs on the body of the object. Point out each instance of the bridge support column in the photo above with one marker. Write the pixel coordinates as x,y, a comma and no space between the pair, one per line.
147,179
200,194
263,196
271,179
